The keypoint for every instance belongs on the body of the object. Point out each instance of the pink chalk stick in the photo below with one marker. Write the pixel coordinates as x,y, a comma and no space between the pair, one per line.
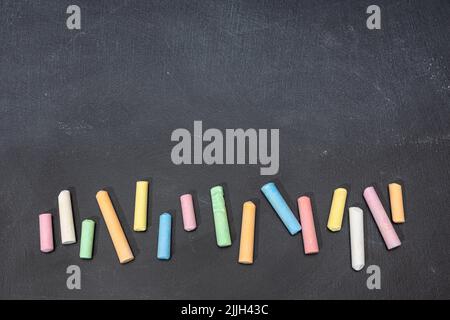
187,208
307,222
46,232
381,218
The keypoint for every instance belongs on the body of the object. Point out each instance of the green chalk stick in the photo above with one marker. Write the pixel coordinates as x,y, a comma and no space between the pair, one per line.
87,238
223,237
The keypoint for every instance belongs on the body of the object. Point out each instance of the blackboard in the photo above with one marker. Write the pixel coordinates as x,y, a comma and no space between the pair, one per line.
95,108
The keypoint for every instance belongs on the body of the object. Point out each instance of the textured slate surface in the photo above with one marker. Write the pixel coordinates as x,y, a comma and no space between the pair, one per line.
95,108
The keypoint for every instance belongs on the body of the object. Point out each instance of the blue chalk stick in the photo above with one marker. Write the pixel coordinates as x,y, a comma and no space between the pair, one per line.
281,208
164,236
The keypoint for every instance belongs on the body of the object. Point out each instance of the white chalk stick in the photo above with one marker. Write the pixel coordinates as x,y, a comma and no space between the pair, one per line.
356,217
66,218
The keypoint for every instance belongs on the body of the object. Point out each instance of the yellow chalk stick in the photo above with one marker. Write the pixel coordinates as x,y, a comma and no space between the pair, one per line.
247,233
112,222
396,197
140,206
337,209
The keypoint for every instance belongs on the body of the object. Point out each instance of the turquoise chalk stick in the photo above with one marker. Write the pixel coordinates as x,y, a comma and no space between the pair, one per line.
281,208
164,236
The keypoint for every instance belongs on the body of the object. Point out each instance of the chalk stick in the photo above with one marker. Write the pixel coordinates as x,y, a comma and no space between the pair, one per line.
246,247
115,230
66,218
87,238
356,220
46,232
164,236
188,212
396,198
140,206
337,210
280,206
223,237
310,244
381,219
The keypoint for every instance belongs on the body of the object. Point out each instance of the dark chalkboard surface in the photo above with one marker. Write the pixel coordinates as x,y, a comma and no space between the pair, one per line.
95,108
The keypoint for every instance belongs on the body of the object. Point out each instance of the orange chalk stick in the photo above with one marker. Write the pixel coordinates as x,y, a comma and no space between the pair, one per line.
118,237
247,233
396,197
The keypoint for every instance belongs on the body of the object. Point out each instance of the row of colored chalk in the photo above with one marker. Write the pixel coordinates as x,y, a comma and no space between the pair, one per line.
120,243
113,225
379,214
221,226
67,228
336,216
